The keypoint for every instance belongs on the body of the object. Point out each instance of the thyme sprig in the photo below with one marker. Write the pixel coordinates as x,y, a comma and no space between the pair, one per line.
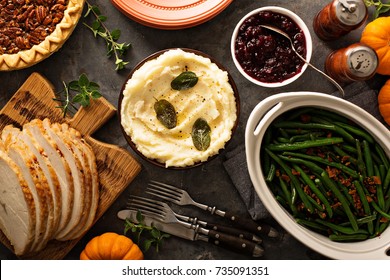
98,28
79,91
154,237
380,7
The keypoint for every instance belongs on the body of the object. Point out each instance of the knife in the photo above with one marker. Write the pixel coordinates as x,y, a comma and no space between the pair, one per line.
196,232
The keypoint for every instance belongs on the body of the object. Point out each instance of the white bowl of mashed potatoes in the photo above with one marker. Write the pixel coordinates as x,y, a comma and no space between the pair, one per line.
178,108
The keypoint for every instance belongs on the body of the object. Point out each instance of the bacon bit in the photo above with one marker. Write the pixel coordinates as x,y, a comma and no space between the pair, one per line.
346,182
347,163
285,178
345,159
332,172
337,204
377,180
383,220
277,173
322,215
369,198
329,135
294,172
305,118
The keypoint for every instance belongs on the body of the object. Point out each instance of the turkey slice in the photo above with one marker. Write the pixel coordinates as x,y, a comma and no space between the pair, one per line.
44,163
17,214
35,131
91,166
38,185
78,179
79,154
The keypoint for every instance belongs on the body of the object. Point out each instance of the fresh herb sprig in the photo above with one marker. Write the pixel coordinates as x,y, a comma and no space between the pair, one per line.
98,28
380,7
80,92
154,237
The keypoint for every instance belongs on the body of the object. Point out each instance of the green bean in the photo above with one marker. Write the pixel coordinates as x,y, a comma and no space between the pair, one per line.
360,161
382,172
315,190
307,136
332,186
312,166
365,204
344,189
304,144
311,224
386,181
282,140
368,159
288,196
330,115
338,129
294,180
356,131
340,166
382,155
338,228
379,189
271,173
361,221
379,210
297,131
342,153
352,237
284,133
295,124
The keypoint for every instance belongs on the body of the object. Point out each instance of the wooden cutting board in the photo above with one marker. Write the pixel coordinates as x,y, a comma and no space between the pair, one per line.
116,167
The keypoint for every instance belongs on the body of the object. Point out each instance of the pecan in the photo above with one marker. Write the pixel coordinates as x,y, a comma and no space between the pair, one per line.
24,23
41,13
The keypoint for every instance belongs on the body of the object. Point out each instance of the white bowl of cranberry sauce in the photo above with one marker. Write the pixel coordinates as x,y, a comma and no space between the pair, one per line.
266,58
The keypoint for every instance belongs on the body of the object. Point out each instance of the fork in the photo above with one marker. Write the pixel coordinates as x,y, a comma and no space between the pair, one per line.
162,212
155,207
181,197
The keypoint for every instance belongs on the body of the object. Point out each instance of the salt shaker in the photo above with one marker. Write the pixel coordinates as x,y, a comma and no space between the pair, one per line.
357,62
338,18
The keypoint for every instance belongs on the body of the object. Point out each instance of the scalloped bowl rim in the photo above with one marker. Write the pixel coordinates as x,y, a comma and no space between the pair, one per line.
298,21
259,120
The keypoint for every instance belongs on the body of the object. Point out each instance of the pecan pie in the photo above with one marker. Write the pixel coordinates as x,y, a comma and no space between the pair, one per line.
31,30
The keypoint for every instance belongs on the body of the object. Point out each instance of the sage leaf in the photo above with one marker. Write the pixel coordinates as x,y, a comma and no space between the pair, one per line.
201,134
165,113
184,81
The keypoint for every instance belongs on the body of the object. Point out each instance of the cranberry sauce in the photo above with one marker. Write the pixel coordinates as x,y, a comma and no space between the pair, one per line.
265,55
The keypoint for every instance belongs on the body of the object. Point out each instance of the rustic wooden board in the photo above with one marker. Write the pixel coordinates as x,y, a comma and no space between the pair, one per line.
116,167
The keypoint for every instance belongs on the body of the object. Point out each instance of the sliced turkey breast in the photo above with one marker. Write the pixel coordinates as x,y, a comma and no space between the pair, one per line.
77,175
39,190
83,151
35,131
75,135
10,132
81,156
17,219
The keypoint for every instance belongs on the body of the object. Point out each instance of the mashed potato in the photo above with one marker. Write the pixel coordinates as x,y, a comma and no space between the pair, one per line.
212,99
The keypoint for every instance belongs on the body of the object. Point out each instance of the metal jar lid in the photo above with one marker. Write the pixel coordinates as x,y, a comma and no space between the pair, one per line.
351,12
362,61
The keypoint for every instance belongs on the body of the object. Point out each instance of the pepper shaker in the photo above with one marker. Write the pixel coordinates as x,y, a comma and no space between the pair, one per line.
338,18
357,62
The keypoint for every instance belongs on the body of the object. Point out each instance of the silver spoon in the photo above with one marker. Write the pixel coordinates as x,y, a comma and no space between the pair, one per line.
277,30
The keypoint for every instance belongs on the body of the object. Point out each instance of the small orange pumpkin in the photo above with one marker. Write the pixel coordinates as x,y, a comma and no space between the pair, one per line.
384,101
111,246
377,35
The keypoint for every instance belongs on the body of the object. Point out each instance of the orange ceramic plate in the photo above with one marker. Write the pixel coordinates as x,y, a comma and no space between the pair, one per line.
171,14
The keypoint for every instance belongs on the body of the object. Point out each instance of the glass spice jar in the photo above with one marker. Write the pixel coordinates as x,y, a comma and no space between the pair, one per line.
357,62
338,18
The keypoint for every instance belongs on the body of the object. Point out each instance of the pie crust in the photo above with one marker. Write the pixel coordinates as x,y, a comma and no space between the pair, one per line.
52,43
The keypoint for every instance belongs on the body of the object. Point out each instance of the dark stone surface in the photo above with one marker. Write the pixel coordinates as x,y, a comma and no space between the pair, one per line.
209,183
